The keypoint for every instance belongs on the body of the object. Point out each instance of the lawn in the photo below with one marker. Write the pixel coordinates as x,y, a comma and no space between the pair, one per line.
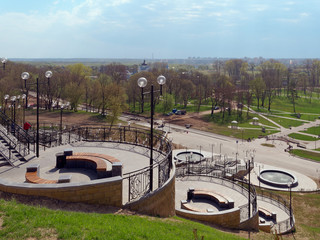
284,122
313,130
306,154
302,137
284,104
21,221
220,126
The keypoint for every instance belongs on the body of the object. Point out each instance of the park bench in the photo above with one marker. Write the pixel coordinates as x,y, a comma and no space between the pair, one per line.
99,155
187,206
220,199
32,176
267,214
89,162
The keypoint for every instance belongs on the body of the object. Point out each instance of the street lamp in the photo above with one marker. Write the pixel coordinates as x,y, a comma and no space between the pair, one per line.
23,96
6,97
161,81
142,82
61,110
249,196
13,103
4,60
25,76
290,186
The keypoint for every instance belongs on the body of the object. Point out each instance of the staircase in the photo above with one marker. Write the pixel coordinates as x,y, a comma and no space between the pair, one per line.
15,143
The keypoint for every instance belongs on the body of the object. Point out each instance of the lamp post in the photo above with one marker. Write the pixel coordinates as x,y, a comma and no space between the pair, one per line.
249,196
290,186
142,82
25,76
24,108
13,103
4,61
48,75
61,110
6,97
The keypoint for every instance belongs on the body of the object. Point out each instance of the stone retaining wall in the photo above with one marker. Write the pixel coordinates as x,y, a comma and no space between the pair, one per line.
160,202
228,218
102,191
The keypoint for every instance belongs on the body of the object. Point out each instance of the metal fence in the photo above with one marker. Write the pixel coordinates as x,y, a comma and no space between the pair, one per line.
280,202
244,209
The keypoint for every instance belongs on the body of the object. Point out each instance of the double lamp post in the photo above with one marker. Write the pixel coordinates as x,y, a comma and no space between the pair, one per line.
142,82
25,76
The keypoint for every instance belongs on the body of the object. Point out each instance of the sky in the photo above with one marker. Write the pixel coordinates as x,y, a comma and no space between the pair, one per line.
160,29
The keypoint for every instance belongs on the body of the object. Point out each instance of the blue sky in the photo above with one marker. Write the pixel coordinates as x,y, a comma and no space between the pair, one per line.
160,28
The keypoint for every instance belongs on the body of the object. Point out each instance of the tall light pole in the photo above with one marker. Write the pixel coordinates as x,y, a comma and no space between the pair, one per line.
25,76
249,196
4,61
13,103
61,110
6,97
142,82
48,75
24,108
290,186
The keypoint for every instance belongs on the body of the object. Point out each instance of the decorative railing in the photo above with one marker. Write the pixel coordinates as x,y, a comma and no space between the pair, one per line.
280,202
244,209
22,141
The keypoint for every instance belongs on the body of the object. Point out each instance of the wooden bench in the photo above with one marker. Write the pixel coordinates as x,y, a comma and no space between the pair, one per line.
187,206
90,162
32,176
102,156
221,200
267,214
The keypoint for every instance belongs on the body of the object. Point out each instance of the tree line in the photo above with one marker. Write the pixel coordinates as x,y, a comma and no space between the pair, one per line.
108,89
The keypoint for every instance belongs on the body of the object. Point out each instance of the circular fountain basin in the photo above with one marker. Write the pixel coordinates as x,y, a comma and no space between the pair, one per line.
189,156
277,178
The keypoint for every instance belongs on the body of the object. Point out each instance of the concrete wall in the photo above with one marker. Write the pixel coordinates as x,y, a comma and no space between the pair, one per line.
252,223
101,191
160,202
228,218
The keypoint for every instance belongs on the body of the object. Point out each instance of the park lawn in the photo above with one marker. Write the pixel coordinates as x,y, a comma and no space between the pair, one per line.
21,221
313,130
242,133
306,154
284,122
284,104
307,117
302,137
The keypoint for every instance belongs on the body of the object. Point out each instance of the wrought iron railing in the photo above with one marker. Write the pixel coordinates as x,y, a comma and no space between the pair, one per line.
280,202
244,209
23,142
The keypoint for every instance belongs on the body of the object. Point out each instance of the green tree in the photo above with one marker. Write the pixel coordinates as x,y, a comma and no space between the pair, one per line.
258,87
167,102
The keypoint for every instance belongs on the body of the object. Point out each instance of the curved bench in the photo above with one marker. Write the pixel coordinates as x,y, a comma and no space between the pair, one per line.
99,155
32,176
90,162
221,200
187,206
267,214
